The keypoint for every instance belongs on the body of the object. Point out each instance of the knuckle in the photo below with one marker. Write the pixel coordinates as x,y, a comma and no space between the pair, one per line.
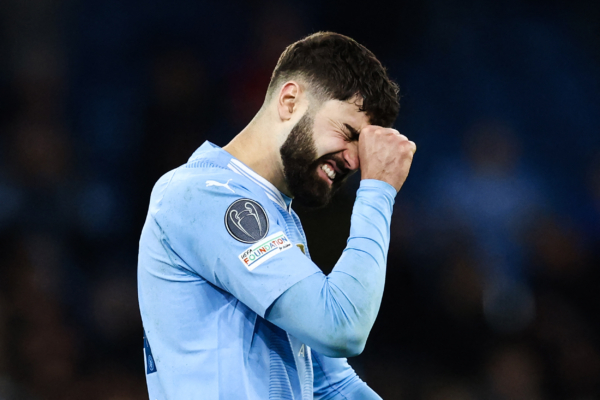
367,129
370,129
408,148
396,135
399,140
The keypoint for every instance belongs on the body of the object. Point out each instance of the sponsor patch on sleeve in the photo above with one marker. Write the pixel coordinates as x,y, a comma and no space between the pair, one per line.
260,252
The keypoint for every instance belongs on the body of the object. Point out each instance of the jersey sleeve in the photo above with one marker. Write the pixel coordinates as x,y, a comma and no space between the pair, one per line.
334,314
216,225
334,379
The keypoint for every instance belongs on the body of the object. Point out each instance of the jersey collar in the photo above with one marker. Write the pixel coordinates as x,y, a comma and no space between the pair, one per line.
242,169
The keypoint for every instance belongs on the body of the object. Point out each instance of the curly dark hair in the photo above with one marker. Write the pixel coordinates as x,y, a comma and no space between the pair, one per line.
337,67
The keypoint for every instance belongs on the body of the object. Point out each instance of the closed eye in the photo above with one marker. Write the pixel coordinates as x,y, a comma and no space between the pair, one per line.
352,133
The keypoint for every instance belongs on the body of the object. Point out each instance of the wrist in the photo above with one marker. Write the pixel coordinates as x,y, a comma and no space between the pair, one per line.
379,185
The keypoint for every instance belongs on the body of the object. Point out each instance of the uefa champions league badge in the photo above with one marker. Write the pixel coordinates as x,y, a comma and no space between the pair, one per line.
246,221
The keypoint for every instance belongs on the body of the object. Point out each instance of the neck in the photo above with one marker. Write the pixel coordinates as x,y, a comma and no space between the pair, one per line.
257,146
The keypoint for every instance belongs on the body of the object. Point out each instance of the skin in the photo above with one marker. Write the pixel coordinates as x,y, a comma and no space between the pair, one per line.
340,131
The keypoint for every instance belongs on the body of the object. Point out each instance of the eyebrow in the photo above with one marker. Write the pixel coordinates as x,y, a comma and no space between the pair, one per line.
353,132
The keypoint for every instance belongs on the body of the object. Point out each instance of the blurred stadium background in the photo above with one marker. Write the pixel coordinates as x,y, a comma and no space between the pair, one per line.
493,282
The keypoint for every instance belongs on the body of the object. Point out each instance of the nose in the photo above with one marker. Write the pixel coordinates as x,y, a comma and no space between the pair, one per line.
351,157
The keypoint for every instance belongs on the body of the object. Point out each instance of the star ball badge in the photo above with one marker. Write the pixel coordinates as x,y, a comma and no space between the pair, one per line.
246,221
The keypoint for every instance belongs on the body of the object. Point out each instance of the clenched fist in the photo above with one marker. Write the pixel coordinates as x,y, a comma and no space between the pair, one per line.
385,155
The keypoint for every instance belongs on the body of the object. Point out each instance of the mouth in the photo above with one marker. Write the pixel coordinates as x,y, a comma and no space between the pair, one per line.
329,171
332,171
326,174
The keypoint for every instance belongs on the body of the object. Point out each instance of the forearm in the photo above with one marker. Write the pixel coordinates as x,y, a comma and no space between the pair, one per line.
334,314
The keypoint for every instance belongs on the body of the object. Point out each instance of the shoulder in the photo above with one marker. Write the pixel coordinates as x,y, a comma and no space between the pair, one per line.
206,190
214,207
208,180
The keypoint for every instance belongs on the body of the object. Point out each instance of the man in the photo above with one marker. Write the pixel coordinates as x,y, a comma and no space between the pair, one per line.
232,305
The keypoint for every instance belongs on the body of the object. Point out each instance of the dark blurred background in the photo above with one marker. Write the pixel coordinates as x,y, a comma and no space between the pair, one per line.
493,280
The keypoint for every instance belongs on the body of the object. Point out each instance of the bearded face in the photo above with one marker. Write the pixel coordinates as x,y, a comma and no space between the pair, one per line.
301,165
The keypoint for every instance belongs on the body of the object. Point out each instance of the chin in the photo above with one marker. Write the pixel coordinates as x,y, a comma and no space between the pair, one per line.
315,198
313,203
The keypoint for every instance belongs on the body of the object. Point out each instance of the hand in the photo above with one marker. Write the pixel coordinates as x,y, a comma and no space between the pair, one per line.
385,155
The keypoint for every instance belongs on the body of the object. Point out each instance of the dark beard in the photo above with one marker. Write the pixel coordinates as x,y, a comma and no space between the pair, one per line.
300,163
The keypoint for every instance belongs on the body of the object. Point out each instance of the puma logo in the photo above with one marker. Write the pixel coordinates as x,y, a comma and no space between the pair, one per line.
215,183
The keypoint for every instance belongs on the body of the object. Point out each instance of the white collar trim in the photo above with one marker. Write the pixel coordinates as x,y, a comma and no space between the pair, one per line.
272,192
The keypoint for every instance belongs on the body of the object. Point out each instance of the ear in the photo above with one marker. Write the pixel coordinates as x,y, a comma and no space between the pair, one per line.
288,101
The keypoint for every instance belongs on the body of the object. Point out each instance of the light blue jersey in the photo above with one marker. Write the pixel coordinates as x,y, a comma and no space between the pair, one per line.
219,247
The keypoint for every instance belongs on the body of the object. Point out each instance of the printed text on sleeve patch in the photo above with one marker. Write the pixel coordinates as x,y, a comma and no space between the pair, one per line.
260,252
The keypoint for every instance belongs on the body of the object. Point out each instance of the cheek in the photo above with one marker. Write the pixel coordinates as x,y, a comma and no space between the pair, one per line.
330,145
